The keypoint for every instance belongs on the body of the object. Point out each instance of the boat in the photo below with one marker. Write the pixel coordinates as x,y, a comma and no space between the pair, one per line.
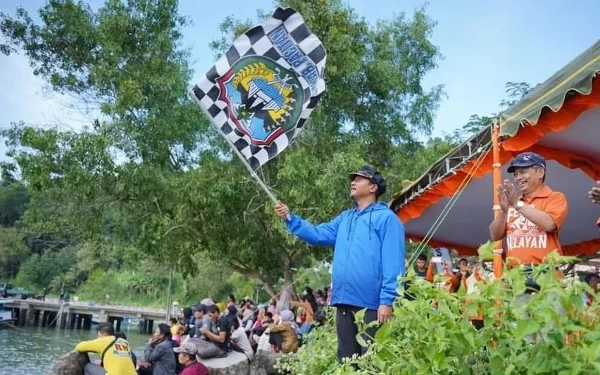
6,317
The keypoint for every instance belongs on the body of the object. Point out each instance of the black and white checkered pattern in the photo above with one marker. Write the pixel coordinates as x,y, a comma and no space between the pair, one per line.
255,42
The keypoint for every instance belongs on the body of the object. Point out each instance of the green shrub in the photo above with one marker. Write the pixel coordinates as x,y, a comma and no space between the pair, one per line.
552,333
318,355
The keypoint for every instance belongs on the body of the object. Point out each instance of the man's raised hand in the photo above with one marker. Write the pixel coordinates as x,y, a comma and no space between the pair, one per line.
282,210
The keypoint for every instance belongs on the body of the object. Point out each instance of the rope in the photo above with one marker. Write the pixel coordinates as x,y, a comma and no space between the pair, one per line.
448,206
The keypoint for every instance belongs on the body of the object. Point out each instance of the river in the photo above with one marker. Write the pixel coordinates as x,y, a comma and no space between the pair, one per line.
34,351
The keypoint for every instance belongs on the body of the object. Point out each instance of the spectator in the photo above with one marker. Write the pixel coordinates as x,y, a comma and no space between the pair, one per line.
231,313
463,273
177,336
187,358
114,353
173,326
310,306
159,352
273,307
284,336
592,281
202,320
218,336
421,266
239,340
121,335
531,214
188,320
230,300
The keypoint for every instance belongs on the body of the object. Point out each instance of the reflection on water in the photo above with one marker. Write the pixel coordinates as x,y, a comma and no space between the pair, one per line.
34,351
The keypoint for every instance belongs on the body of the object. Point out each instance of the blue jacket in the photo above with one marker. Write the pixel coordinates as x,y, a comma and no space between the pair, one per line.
368,255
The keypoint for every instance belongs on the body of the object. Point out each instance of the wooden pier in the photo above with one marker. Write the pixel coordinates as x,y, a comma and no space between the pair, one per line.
78,315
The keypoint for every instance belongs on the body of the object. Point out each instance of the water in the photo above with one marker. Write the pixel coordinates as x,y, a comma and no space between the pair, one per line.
34,351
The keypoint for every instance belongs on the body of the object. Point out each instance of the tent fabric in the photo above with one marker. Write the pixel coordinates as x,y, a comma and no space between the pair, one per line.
575,78
558,120
550,121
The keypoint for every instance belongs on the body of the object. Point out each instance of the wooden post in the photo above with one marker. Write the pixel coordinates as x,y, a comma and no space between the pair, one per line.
103,316
36,318
23,310
497,178
30,315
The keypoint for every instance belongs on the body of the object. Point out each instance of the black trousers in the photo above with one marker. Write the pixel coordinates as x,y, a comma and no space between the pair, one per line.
347,330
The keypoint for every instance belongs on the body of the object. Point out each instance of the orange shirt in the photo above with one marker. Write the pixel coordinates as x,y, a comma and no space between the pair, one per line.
310,315
526,241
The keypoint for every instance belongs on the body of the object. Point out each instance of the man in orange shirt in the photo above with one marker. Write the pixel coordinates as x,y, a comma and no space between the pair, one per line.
531,213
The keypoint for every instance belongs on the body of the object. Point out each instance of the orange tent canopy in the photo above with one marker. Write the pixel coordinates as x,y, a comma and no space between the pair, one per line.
560,120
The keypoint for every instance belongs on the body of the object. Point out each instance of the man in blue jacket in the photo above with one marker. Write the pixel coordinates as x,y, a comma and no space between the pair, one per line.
368,256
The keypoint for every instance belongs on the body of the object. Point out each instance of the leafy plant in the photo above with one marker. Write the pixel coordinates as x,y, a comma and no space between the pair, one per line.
550,332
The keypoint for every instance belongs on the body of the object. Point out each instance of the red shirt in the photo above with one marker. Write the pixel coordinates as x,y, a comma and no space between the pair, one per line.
195,368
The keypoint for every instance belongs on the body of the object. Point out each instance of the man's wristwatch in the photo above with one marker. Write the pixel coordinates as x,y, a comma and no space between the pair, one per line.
519,205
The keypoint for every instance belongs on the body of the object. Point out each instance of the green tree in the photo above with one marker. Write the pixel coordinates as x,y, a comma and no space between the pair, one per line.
151,173
13,202
40,270
514,92
13,252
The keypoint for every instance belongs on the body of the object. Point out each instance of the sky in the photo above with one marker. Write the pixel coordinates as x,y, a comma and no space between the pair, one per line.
484,45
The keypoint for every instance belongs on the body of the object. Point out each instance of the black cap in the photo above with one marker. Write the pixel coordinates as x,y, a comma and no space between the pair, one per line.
200,307
373,175
525,160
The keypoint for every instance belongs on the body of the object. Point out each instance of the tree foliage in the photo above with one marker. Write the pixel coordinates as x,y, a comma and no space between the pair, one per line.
149,175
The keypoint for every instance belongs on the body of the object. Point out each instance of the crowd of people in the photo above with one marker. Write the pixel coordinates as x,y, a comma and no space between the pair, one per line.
211,330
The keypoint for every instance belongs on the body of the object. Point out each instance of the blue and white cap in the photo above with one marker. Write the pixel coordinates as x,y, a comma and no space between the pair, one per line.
525,160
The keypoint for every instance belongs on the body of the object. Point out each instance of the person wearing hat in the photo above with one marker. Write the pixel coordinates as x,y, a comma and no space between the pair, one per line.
187,357
531,214
368,256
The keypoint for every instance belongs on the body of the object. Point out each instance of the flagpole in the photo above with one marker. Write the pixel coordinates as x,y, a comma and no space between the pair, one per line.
235,150
252,172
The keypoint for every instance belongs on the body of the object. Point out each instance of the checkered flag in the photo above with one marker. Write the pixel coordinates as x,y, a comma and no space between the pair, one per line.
260,93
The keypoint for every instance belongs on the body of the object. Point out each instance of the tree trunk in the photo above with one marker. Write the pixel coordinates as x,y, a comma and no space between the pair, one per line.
267,287
288,274
169,295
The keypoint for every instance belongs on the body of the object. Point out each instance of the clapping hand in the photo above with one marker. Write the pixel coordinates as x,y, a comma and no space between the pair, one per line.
511,193
594,193
501,191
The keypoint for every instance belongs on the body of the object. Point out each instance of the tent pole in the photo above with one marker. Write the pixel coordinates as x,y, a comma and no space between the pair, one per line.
497,177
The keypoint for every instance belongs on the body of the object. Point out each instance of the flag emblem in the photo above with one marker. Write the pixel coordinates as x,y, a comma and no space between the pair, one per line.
264,100
260,93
